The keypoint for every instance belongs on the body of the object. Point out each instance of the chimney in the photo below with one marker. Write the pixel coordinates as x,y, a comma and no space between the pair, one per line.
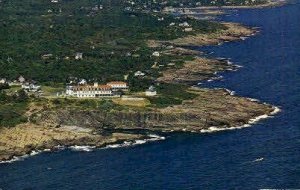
95,84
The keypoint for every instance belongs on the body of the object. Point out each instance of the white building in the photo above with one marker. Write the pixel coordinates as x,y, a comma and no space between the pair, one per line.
156,54
139,74
31,87
78,56
88,91
21,79
151,91
118,85
184,24
188,29
3,81
47,56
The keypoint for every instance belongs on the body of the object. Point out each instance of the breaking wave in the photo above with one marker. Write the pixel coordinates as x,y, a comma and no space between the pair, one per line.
249,124
21,158
152,137
136,142
82,148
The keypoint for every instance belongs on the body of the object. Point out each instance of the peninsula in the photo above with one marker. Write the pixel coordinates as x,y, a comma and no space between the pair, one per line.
54,51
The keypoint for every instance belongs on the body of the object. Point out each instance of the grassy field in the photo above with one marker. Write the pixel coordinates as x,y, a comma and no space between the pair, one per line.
134,102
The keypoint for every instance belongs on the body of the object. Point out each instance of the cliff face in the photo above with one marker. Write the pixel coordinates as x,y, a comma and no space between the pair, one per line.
211,108
24,139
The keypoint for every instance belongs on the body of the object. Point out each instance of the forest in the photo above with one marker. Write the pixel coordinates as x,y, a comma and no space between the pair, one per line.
39,39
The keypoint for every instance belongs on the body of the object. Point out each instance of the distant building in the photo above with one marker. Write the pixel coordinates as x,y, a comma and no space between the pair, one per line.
156,54
118,85
30,87
188,29
78,56
47,56
184,24
151,91
3,81
21,79
139,73
88,91
82,82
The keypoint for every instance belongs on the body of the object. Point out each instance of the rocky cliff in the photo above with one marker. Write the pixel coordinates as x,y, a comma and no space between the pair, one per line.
211,108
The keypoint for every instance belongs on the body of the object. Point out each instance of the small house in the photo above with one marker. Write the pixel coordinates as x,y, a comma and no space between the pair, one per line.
188,29
151,91
21,79
47,56
78,56
30,87
156,54
184,24
82,82
139,74
3,81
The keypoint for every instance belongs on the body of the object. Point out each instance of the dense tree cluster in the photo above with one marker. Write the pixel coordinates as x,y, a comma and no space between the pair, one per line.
39,39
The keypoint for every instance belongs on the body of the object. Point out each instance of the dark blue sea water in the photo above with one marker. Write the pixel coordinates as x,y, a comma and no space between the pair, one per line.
223,160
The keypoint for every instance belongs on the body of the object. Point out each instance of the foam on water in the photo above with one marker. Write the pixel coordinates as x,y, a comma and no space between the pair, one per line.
258,160
215,78
249,124
230,92
244,38
82,148
136,142
20,158
253,99
152,137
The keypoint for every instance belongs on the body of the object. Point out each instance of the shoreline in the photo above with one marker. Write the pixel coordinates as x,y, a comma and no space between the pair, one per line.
247,125
189,74
211,12
152,138
84,148
272,3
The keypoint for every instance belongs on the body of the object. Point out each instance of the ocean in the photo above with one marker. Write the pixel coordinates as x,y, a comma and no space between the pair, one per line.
266,155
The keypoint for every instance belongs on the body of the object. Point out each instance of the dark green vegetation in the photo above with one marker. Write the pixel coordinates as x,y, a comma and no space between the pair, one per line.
12,108
111,39
171,94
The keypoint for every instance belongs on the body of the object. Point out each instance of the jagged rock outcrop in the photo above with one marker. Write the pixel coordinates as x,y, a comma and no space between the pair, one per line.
215,108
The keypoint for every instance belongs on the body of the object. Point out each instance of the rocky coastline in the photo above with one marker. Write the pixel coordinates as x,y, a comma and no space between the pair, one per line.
211,110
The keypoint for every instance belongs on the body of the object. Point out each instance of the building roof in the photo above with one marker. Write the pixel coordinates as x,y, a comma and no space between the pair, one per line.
117,83
91,88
